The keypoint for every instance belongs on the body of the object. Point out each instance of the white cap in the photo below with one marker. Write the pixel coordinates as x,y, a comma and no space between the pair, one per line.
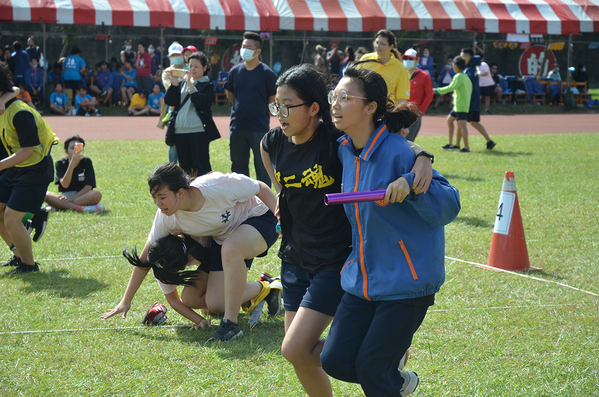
411,53
175,48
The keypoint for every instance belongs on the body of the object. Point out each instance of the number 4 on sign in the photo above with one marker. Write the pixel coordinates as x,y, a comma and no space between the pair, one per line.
504,213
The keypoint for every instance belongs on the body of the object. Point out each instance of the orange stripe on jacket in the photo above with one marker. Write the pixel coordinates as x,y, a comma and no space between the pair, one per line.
362,265
374,141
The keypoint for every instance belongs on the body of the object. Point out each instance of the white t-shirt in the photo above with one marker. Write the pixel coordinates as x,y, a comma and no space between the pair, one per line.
485,81
230,201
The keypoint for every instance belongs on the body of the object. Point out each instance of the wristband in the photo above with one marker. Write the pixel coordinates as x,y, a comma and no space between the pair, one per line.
426,154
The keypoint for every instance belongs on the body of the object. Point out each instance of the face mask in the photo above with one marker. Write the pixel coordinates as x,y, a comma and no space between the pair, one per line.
34,65
128,47
176,60
584,69
151,50
246,54
557,69
425,55
409,63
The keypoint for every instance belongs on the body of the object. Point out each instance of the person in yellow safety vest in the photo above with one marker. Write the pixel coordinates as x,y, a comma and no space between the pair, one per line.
26,170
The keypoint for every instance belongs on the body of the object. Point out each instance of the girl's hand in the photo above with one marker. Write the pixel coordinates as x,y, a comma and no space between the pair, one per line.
122,307
397,190
63,198
187,78
203,323
423,171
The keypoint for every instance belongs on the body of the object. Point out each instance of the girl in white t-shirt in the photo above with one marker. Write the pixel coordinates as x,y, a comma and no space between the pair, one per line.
237,212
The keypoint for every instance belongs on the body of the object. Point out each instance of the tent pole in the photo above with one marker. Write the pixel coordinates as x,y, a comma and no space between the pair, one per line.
107,40
272,44
305,43
570,48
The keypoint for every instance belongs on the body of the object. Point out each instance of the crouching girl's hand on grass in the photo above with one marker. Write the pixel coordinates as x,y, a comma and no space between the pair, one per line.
397,190
203,323
122,307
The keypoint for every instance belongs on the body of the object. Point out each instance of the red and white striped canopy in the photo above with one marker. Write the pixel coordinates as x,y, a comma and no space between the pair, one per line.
491,16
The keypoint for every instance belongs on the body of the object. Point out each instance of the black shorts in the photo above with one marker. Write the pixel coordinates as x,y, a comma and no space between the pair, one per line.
319,291
474,115
73,84
487,91
459,115
24,189
265,225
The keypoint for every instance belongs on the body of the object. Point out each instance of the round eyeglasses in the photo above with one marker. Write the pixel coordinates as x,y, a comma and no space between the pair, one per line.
275,108
341,97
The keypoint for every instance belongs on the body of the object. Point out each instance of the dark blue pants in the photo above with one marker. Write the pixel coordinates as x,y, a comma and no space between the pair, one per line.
367,340
240,144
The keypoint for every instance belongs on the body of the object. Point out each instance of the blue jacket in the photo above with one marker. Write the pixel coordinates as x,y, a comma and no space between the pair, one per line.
472,72
398,250
21,60
34,77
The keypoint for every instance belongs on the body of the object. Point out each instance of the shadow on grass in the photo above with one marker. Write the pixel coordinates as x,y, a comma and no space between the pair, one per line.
449,177
499,153
59,283
472,221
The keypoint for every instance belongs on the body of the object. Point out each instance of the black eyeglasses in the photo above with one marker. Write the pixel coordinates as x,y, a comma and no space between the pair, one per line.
275,108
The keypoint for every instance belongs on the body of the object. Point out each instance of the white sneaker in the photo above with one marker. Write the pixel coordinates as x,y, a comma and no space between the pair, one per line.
410,382
74,112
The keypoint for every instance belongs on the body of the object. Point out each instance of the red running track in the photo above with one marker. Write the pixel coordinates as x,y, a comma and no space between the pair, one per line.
122,127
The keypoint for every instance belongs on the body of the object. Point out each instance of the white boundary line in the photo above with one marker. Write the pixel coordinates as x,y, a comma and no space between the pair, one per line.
48,331
522,275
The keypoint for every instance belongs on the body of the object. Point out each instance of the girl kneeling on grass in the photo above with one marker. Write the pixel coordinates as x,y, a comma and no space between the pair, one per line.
236,212
301,159
397,261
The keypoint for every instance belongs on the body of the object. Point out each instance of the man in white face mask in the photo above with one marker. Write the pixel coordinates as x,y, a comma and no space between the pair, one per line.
421,89
250,87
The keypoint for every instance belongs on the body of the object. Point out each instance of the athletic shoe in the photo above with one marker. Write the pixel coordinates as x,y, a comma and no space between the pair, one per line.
449,146
273,300
23,268
487,111
258,298
404,360
103,94
39,223
464,150
97,113
28,226
410,382
88,113
491,145
256,313
94,208
226,331
14,261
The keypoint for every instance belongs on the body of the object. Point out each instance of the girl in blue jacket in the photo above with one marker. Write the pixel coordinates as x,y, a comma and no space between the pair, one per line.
397,261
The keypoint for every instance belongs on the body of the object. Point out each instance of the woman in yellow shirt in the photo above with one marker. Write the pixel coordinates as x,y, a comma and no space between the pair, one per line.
389,66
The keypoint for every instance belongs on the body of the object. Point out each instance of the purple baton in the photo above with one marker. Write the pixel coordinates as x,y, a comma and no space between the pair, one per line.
354,197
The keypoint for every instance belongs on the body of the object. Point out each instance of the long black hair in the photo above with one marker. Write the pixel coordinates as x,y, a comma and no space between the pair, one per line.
168,256
169,175
374,88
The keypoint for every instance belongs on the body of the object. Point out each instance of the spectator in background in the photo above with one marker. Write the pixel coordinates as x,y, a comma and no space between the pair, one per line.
139,104
580,76
25,96
130,86
187,51
1,54
156,100
118,81
360,53
155,66
319,59
143,64
487,85
389,65
250,87
8,59
33,50
554,75
59,102
114,65
334,58
55,76
128,54
21,62
76,180
34,80
427,62
497,80
103,84
349,57
74,65
446,78
421,90
85,103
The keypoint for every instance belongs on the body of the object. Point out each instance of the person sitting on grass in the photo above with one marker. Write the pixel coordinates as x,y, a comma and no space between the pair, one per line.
156,100
462,90
85,103
76,181
59,102
139,104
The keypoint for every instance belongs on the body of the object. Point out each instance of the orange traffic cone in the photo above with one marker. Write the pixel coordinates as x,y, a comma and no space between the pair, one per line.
508,247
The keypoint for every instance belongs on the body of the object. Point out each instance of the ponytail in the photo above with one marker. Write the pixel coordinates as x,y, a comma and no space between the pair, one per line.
400,117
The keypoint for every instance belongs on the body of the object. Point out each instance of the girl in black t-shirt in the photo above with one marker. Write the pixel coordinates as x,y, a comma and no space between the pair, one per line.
76,180
301,159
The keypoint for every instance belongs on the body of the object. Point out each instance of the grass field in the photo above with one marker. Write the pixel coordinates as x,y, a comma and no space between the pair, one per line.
489,333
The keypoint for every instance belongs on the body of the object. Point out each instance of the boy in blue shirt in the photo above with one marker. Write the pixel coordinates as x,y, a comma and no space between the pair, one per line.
85,103
73,66
156,100
34,80
59,102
